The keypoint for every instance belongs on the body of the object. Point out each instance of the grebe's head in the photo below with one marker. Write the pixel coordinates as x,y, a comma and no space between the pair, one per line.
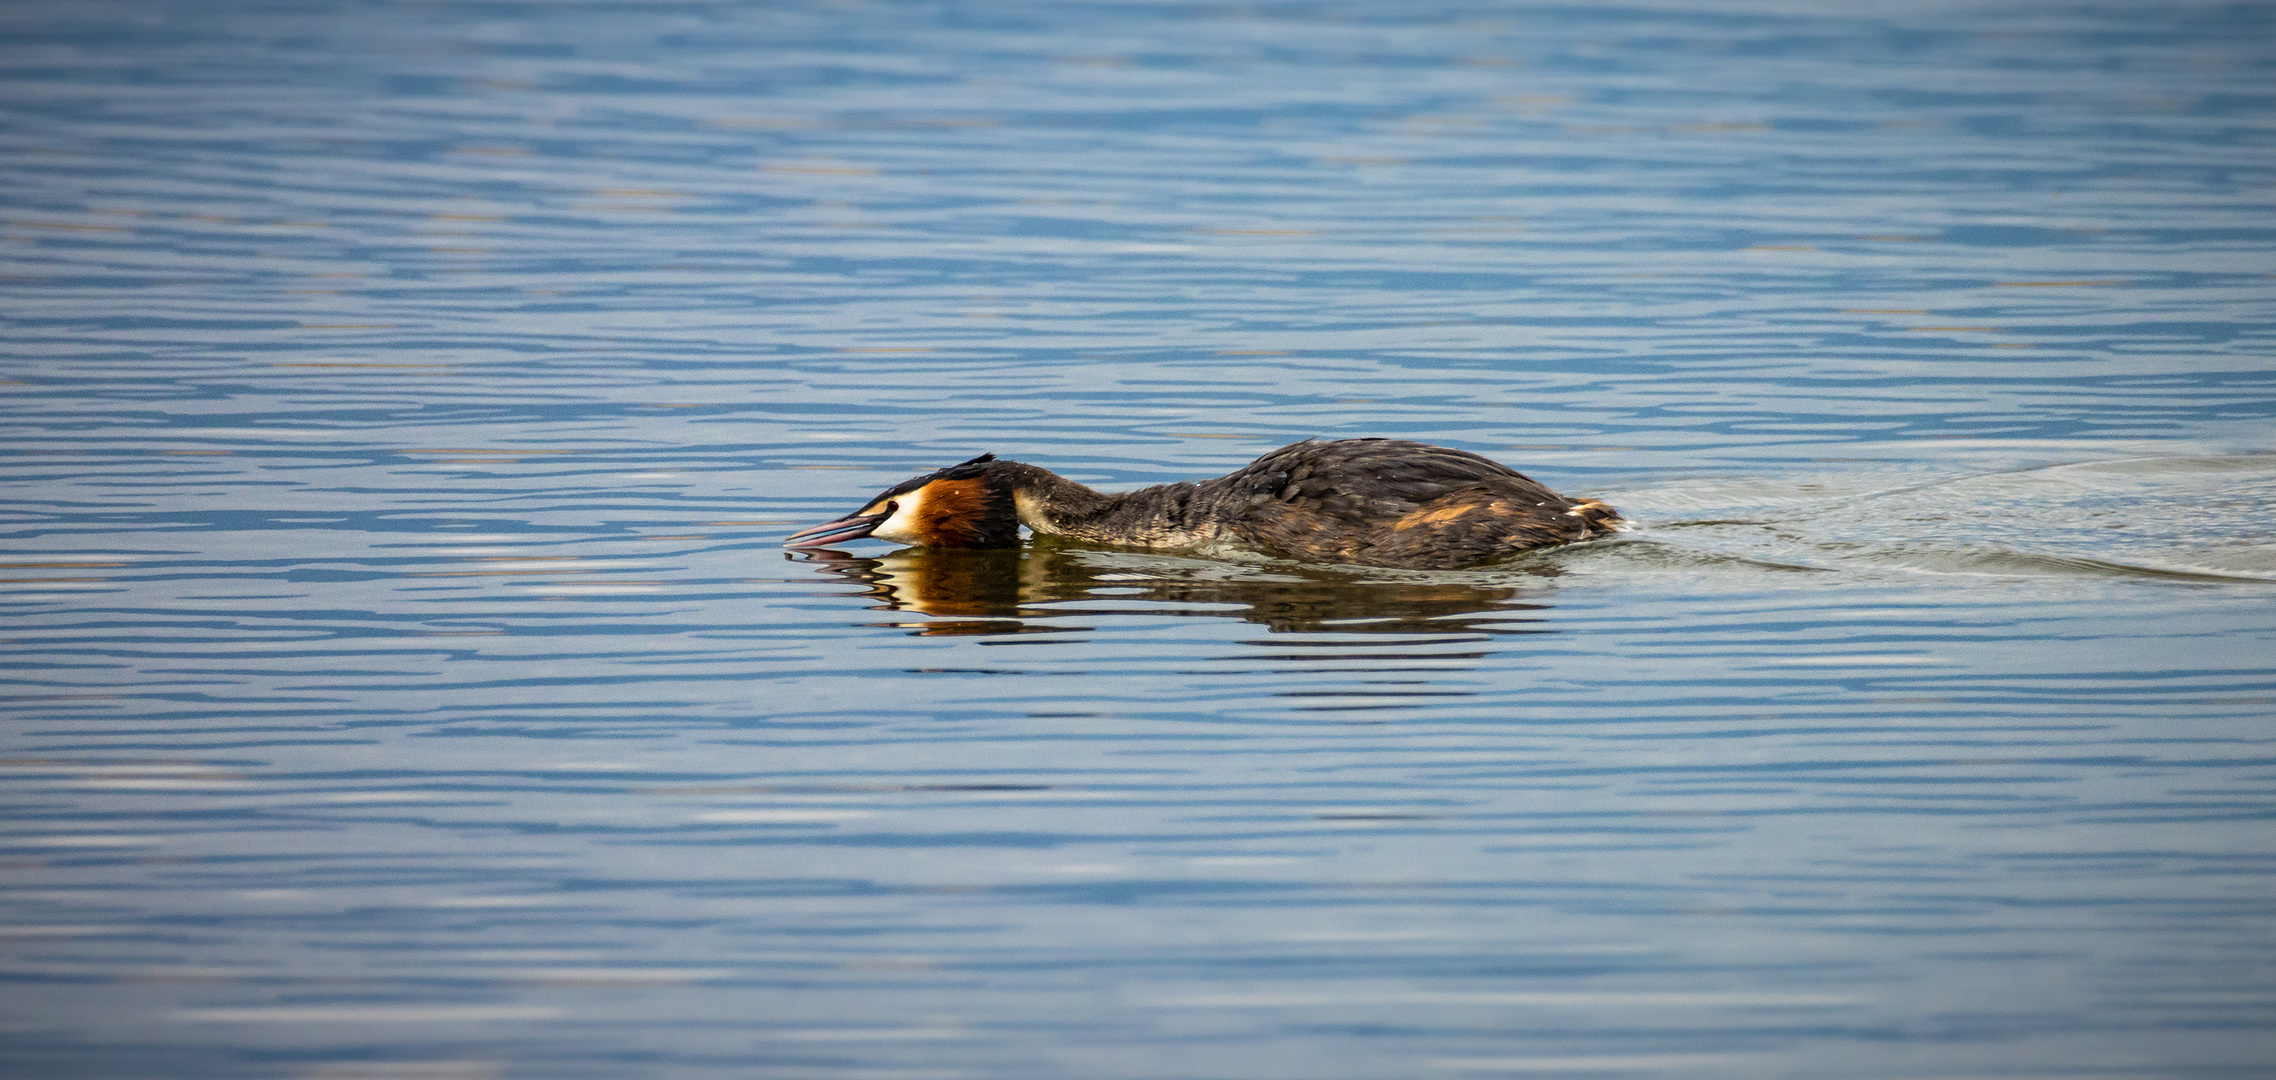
961,506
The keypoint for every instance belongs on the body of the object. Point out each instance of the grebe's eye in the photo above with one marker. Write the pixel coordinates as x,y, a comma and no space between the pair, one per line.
892,508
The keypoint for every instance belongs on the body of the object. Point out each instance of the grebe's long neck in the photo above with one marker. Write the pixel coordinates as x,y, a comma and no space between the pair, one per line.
1052,505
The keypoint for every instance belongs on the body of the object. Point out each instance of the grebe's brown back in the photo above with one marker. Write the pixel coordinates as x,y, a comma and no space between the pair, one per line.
1378,502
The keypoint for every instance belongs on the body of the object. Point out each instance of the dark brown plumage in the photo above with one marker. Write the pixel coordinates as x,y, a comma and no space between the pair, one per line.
1377,502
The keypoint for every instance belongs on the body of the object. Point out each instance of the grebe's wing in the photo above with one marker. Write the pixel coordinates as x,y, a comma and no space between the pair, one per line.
1357,481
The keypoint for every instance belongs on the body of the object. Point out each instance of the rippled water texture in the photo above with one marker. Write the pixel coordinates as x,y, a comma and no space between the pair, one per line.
404,404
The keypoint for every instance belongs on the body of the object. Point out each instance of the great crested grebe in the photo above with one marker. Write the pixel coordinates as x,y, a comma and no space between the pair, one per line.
1376,502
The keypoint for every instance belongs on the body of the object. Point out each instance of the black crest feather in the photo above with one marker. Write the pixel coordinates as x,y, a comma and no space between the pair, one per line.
964,470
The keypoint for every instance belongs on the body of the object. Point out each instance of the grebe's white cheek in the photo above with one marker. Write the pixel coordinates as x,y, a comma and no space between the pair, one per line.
901,528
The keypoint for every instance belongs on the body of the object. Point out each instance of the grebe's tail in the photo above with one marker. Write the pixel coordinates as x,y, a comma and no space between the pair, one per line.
1598,519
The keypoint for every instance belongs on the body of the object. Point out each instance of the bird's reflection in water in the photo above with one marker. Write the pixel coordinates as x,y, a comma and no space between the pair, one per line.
998,592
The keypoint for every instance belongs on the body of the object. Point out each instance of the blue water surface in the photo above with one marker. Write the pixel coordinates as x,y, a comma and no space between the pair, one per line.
402,403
